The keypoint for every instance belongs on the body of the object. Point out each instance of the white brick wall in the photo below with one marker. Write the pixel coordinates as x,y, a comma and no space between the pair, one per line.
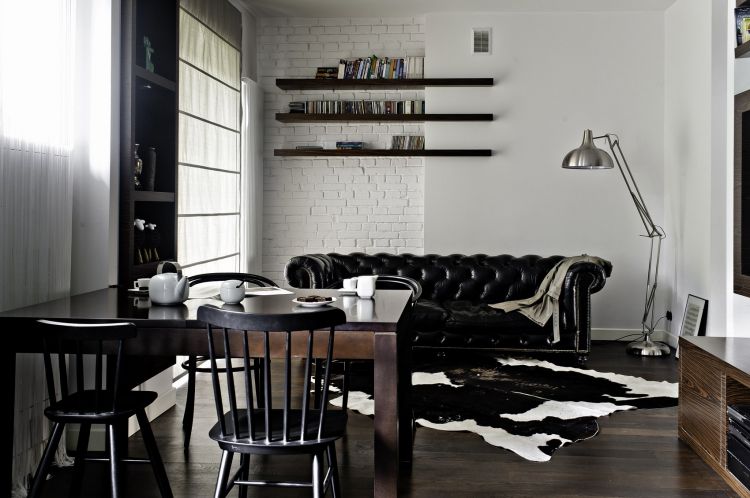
338,204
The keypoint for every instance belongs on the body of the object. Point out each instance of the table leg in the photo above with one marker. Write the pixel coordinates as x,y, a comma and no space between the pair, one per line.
386,415
405,411
10,401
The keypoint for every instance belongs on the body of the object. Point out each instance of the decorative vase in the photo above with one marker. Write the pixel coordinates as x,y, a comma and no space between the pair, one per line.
137,168
149,169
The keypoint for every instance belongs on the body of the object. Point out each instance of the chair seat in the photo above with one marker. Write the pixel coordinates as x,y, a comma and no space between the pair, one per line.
90,406
335,427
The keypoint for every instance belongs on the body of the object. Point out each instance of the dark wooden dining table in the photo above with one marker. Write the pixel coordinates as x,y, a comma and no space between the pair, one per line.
375,329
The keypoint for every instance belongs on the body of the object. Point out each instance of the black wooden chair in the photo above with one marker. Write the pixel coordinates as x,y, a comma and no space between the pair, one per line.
192,364
263,429
393,282
109,405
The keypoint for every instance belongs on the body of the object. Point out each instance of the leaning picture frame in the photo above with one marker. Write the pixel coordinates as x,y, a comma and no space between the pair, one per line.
694,318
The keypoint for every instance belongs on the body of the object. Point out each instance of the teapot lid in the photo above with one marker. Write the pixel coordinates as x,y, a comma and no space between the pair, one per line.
169,267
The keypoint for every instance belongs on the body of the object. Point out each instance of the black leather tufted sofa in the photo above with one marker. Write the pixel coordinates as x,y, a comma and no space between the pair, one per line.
456,289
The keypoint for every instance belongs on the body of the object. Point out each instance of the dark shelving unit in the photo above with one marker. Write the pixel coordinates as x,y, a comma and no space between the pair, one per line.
148,113
381,152
297,117
321,84
383,84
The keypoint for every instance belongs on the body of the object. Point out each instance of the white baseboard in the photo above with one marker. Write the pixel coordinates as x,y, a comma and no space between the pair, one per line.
616,334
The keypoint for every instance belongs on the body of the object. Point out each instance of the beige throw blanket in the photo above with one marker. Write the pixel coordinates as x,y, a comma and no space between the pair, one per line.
545,303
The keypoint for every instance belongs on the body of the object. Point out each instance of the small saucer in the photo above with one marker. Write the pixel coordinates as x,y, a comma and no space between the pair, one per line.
310,304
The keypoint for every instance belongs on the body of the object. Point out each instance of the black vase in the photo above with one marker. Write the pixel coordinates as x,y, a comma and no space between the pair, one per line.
148,178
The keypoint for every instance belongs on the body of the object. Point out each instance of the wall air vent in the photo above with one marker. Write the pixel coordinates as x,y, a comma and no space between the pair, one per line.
481,40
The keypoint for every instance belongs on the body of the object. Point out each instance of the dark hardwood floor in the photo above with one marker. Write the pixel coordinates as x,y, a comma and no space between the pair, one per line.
636,454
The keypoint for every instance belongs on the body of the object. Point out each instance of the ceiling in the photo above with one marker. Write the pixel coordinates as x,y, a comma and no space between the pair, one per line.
396,8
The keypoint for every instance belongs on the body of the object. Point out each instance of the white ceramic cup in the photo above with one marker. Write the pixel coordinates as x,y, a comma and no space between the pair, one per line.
232,291
141,283
350,284
366,286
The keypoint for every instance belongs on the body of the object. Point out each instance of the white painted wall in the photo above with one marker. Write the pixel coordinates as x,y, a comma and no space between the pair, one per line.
687,155
556,74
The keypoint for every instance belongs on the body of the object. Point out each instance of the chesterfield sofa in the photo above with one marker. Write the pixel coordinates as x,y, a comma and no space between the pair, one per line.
453,310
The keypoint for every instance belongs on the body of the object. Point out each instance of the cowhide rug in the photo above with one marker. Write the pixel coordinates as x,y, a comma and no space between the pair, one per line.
528,406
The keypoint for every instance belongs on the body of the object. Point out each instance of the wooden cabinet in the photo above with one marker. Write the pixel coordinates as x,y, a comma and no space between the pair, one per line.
382,84
148,117
714,373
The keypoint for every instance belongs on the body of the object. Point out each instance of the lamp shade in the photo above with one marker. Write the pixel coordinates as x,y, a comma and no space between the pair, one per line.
587,156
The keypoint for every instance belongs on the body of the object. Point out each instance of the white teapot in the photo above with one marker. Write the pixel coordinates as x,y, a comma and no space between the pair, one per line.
168,288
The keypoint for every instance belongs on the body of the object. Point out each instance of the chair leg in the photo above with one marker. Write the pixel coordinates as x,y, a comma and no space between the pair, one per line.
317,475
81,449
187,418
245,474
46,462
224,468
345,387
114,459
318,384
153,454
333,465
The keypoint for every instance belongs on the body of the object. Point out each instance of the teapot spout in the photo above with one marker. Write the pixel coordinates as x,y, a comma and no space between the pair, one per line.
181,290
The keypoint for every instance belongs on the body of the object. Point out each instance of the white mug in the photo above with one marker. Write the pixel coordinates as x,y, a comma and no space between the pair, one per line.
141,283
350,284
366,286
232,291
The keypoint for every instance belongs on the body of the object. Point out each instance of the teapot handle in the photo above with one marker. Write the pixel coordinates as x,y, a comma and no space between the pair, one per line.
169,267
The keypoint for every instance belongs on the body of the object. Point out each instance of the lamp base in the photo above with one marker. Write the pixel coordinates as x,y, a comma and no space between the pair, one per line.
647,347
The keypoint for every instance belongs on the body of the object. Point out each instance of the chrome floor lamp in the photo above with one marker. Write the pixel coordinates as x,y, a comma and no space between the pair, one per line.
588,156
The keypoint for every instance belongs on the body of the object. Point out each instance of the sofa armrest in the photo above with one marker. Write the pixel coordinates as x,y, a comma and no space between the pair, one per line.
310,271
582,280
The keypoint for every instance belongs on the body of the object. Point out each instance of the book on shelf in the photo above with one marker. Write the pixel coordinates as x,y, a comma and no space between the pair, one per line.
407,142
358,107
347,145
309,147
297,107
742,20
326,73
375,67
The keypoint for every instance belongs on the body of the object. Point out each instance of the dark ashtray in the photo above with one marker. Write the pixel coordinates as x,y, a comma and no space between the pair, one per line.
314,299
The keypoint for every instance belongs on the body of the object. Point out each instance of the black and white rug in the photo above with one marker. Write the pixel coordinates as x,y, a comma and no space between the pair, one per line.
528,406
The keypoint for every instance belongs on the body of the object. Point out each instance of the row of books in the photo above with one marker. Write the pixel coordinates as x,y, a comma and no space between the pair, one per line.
350,145
742,21
372,68
358,107
407,142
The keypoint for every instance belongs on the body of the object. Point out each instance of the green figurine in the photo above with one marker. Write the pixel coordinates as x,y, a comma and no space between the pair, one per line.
149,51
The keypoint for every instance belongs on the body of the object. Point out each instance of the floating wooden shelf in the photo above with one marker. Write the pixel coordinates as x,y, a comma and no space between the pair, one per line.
382,152
151,196
298,117
315,84
154,78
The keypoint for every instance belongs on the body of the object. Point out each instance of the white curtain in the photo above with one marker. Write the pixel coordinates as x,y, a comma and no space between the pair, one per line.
38,116
209,200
